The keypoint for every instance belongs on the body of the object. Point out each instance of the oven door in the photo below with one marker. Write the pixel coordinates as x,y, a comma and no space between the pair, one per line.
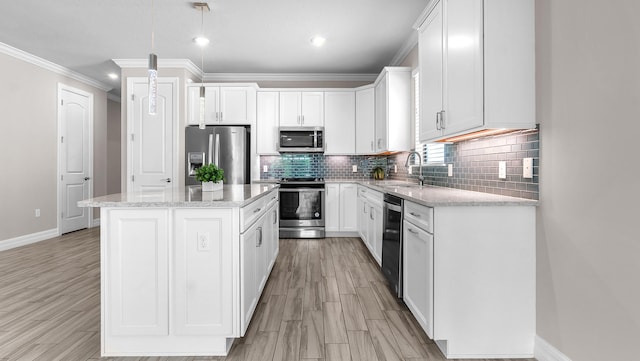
302,207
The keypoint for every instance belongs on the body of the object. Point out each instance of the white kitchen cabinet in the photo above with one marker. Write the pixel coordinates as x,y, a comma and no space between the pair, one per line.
393,110
417,275
340,206
224,105
340,122
139,302
202,301
304,108
477,67
332,207
257,252
365,120
267,122
469,278
370,220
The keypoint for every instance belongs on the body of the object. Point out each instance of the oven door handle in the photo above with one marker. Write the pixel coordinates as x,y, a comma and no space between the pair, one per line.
393,207
301,189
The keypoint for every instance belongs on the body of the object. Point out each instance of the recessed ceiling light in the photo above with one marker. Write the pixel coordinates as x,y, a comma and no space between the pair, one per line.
201,41
318,41
113,76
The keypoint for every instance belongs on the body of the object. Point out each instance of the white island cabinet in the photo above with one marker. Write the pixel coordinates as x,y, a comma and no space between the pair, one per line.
174,267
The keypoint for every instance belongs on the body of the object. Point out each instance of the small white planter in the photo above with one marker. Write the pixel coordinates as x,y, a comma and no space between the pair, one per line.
211,187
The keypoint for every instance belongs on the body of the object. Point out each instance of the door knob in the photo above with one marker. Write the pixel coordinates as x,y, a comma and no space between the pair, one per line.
168,180
87,178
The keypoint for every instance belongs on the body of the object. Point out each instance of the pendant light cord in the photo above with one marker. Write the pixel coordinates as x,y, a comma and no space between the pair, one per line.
202,47
153,27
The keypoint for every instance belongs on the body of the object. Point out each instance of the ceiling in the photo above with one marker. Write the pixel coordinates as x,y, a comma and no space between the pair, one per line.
247,36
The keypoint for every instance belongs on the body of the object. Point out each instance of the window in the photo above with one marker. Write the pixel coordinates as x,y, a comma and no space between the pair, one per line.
431,153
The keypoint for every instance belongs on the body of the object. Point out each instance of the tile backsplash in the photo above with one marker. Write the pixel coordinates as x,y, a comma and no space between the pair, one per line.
475,165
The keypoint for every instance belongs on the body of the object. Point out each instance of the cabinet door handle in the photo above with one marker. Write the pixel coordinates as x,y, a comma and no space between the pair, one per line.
415,214
275,217
298,119
303,119
371,213
257,210
372,145
438,121
442,125
412,231
259,241
221,116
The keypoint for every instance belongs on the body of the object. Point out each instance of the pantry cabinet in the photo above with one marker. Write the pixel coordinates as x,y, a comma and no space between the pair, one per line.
393,110
304,108
224,105
477,67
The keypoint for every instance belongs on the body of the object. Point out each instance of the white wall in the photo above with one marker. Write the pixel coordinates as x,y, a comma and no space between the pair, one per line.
28,147
588,256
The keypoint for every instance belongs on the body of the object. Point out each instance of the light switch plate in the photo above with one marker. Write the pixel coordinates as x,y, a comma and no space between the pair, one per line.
502,170
354,168
265,169
450,170
527,168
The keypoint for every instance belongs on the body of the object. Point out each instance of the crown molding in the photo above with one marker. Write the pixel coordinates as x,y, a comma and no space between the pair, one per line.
424,14
53,67
252,77
113,97
405,49
162,63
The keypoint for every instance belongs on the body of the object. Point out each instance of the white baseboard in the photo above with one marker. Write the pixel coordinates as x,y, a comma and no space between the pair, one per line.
27,239
544,351
96,222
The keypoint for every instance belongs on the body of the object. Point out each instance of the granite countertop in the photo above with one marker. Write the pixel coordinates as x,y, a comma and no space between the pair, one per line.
433,196
233,195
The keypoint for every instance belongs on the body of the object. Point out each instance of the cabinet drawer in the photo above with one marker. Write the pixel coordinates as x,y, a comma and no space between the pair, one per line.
272,198
250,213
419,215
370,195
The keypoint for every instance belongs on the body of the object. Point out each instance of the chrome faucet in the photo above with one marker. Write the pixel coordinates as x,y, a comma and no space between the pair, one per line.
406,165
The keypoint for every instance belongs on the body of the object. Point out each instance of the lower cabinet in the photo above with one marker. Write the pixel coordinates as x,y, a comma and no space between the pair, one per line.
341,207
167,280
369,220
417,275
469,278
258,252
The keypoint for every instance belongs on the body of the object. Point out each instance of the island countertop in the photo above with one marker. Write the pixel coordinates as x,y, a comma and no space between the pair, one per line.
232,195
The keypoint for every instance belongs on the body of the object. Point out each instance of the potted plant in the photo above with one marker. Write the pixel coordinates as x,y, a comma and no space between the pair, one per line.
211,177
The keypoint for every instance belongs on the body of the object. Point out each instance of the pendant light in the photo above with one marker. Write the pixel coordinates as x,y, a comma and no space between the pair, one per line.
202,42
153,68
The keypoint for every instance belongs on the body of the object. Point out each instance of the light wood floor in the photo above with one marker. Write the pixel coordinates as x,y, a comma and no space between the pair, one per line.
325,300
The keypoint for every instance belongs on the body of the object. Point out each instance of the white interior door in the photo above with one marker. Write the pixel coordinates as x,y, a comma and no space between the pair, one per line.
76,116
151,136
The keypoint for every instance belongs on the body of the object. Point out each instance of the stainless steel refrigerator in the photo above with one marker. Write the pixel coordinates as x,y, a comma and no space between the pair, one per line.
225,146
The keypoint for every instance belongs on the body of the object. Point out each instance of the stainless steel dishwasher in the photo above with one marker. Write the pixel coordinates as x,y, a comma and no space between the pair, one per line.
392,242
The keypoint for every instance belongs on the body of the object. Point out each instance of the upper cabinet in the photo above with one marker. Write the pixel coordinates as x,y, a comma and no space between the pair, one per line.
340,122
365,120
224,105
267,121
477,67
301,109
393,110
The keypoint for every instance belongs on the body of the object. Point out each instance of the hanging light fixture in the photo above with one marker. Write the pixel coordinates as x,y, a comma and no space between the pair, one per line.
153,68
202,42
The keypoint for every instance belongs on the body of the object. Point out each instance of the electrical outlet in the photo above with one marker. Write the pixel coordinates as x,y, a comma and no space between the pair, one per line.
502,170
354,168
410,170
450,170
395,168
203,242
37,212
527,168
265,169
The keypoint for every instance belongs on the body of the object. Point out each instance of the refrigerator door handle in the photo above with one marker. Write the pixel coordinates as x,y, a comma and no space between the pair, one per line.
217,155
210,152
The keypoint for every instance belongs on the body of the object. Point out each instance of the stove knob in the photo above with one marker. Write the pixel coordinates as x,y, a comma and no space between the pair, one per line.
317,214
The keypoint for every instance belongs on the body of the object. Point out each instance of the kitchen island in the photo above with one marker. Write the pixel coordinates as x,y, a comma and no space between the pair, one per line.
181,269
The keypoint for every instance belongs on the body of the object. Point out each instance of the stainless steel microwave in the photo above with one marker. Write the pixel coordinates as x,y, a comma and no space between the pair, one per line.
301,140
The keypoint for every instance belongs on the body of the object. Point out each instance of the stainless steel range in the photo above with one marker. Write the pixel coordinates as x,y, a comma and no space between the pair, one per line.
302,203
